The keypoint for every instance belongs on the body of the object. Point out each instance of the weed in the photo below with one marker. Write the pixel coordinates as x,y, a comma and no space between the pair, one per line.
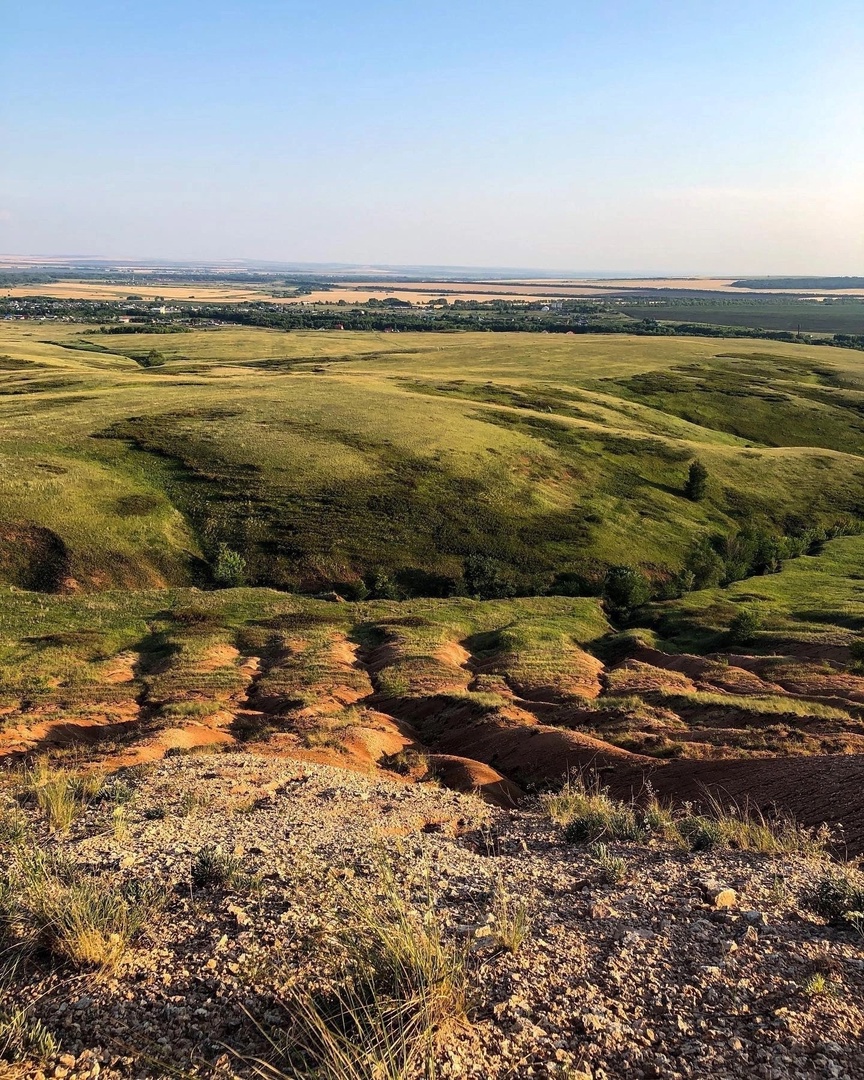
189,802
819,984
745,828
512,918
612,867
590,814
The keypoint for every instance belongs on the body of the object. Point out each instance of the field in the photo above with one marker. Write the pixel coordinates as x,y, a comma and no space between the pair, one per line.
473,498
328,458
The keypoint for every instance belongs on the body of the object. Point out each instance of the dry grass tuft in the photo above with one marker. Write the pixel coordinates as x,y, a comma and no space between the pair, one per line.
46,902
399,988
61,795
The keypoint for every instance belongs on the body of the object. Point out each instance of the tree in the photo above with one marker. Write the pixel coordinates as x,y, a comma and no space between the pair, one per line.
697,479
705,564
485,580
625,588
745,624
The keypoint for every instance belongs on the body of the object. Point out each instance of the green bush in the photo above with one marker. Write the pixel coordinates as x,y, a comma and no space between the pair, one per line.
625,589
229,568
745,624
838,898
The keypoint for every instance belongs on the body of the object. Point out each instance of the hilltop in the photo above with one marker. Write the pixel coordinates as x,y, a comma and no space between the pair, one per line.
238,893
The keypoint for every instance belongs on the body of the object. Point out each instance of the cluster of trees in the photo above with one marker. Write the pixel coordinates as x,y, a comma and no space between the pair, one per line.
497,317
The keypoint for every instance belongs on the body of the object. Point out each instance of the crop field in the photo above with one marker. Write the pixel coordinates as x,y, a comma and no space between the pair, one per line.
816,316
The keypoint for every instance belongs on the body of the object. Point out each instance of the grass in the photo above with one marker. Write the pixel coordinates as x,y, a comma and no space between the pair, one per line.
381,466
613,868
46,902
511,918
815,598
61,795
589,814
214,869
545,454
399,989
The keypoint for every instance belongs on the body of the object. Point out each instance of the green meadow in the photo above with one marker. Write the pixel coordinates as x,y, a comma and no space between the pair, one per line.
335,460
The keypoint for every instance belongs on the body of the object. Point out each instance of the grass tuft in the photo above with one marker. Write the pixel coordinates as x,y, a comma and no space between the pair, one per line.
590,815
512,919
46,902
400,988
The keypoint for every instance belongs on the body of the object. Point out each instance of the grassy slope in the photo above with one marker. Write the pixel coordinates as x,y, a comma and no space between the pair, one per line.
815,600
325,455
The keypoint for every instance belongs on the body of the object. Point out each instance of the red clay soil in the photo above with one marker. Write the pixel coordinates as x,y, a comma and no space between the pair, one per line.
465,774
812,789
533,753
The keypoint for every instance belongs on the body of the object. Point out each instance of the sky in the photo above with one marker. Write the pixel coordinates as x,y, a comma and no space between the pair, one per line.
632,136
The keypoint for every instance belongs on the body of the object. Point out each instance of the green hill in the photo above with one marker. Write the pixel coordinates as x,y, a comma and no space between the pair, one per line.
328,458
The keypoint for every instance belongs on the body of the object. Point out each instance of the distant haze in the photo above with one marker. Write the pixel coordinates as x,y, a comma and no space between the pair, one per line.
630,136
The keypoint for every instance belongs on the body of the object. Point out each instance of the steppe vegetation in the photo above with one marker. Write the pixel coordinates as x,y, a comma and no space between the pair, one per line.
416,465
611,585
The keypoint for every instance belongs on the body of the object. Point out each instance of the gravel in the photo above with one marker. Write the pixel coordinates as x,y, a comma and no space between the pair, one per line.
698,965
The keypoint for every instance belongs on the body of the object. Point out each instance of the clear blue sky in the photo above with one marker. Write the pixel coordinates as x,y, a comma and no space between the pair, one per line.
632,135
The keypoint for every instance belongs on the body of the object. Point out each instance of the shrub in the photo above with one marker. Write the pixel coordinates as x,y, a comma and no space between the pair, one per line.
485,579
229,569
588,814
838,898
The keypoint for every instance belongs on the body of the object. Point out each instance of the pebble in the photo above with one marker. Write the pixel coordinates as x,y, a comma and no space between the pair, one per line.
627,982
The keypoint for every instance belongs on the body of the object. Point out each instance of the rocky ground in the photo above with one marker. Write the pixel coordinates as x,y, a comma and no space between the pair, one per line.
648,977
